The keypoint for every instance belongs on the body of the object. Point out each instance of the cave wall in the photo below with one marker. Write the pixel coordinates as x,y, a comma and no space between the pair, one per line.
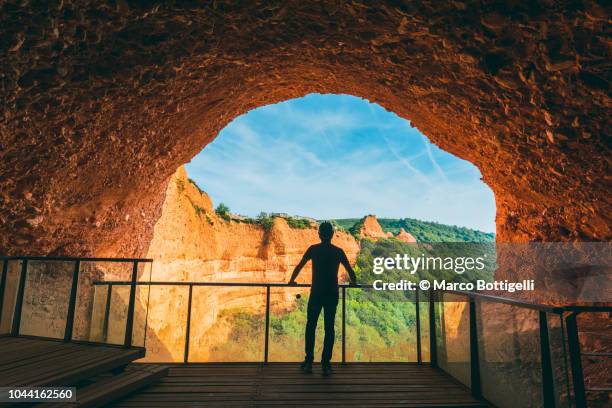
103,101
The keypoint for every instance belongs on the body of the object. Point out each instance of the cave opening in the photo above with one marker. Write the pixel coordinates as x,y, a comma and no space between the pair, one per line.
328,156
247,206
249,203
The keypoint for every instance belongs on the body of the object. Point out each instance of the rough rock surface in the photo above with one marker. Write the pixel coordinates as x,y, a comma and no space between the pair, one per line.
102,102
405,236
371,229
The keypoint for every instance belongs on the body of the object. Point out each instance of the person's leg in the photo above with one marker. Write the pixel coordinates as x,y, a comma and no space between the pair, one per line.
329,314
312,316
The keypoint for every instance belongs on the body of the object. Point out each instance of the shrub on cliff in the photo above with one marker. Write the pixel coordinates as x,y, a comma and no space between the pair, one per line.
355,230
298,223
265,220
223,211
337,227
196,185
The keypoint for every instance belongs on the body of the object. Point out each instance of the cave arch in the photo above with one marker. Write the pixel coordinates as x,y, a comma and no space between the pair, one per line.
104,102
354,156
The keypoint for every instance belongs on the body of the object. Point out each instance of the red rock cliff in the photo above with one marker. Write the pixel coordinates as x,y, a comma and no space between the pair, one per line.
370,228
191,243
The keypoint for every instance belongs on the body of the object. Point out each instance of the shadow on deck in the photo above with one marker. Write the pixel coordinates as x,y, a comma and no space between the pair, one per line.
37,362
100,373
283,385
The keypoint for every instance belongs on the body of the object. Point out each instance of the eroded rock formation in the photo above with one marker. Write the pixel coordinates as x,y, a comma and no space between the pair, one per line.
192,243
102,102
371,229
405,236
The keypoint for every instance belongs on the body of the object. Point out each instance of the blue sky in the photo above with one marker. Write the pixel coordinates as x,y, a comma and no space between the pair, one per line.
339,156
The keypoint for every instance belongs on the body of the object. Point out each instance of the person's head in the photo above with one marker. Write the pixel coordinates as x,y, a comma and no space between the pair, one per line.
326,231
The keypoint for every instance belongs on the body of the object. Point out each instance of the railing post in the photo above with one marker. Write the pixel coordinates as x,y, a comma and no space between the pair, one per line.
547,373
433,353
19,299
474,358
129,323
267,338
418,326
188,325
3,285
107,307
72,301
343,324
573,344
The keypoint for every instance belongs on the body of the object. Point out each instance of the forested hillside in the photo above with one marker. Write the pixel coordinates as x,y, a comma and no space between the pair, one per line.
424,231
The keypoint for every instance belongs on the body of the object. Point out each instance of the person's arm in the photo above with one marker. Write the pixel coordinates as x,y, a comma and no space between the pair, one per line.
298,268
345,262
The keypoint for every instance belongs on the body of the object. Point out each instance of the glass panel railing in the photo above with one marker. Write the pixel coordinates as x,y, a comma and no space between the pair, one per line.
509,354
46,297
453,336
99,315
288,314
116,314
380,326
165,337
424,325
558,357
141,304
227,324
11,285
101,309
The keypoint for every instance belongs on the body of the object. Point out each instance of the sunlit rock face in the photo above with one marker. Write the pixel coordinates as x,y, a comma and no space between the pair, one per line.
371,229
405,236
192,243
102,103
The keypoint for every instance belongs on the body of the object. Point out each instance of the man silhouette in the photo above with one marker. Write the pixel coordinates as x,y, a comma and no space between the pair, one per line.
326,258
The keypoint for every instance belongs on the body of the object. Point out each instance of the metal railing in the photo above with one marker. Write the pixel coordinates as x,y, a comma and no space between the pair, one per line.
15,325
343,288
567,314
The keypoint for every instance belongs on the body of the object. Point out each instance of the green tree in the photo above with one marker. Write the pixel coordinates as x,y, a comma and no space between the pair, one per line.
223,211
265,220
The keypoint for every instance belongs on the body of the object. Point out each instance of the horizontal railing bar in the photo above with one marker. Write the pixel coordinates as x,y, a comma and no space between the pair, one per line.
588,308
508,301
240,284
74,258
594,354
535,306
493,298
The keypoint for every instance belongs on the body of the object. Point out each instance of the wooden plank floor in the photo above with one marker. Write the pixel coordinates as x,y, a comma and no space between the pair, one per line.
38,362
284,385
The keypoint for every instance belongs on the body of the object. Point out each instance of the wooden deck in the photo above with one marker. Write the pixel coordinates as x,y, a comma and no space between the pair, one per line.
284,385
38,362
